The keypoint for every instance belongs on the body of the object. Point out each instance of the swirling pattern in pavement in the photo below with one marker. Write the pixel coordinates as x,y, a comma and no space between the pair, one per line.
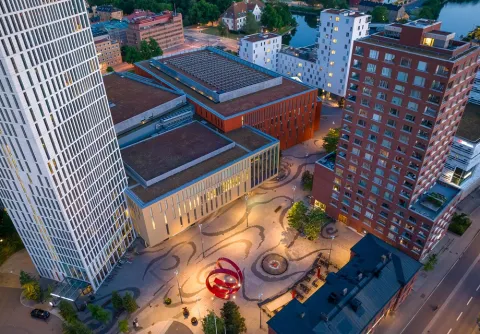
248,245
329,230
161,257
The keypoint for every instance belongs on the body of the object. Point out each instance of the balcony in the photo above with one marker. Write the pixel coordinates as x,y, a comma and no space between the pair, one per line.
355,76
430,112
348,118
437,86
417,156
353,87
423,134
358,51
357,64
442,71
414,166
352,98
433,99
412,176
349,107
405,194
345,137
427,124
420,145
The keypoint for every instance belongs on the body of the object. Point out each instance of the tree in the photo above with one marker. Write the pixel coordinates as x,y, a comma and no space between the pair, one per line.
316,219
155,49
123,326
25,278
251,25
129,303
117,301
145,52
330,141
341,102
67,311
212,324
307,180
234,322
380,14
297,215
431,262
203,12
99,313
459,223
110,69
32,291
222,29
270,18
75,327
130,54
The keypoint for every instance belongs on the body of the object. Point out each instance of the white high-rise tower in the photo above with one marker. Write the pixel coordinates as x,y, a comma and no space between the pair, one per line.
61,174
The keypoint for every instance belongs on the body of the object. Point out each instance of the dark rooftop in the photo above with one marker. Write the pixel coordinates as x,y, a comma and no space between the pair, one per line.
351,298
172,149
440,32
232,107
248,138
129,96
214,71
469,128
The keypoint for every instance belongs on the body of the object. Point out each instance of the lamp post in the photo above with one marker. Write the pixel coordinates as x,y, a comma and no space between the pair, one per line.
178,285
305,167
293,197
201,237
260,308
330,254
246,206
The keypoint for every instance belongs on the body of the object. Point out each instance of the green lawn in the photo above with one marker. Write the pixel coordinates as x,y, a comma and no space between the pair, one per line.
214,31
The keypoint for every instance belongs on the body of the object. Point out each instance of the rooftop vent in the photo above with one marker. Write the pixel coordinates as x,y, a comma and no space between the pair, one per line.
360,276
324,316
345,291
384,258
355,304
332,298
302,315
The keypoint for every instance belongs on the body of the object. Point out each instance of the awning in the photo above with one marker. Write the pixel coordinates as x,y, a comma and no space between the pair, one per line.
70,289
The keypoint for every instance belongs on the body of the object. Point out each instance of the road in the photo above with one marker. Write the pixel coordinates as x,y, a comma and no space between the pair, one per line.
452,296
15,318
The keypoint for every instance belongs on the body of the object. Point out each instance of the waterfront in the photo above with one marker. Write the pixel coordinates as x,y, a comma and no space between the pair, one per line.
304,34
460,17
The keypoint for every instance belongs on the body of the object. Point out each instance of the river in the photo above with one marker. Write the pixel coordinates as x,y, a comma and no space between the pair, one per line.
459,18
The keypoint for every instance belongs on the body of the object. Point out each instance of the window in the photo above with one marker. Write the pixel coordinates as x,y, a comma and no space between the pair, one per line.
371,68
337,19
412,106
386,72
416,94
383,84
419,81
393,112
376,191
368,214
399,89
422,66
391,123
373,54
377,118
405,62
368,157
407,128
389,58
397,101
378,106
410,118
402,76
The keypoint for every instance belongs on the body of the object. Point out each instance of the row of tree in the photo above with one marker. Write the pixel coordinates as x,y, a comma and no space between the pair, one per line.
128,6
230,320
307,221
10,240
276,15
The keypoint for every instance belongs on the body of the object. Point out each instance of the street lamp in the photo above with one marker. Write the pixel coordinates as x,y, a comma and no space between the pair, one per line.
178,285
305,167
246,206
260,307
330,254
201,237
293,197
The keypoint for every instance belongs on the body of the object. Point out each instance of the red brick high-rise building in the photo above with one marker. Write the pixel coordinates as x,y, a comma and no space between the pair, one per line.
407,91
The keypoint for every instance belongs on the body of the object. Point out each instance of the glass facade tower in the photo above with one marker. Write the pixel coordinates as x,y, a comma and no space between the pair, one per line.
61,175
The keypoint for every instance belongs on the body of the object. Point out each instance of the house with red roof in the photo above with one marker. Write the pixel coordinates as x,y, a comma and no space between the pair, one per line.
236,15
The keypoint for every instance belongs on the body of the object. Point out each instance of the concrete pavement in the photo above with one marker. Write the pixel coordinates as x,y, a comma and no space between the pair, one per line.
445,286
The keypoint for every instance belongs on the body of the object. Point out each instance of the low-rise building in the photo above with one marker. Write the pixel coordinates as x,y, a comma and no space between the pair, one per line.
236,15
261,49
375,281
395,12
116,30
166,28
196,172
109,12
108,52
142,108
230,92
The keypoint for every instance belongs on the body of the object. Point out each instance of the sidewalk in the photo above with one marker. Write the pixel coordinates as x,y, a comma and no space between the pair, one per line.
449,250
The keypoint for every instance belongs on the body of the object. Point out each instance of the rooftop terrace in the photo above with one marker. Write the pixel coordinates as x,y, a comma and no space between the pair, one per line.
351,298
328,161
470,124
171,160
432,203
260,37
130,95
229,108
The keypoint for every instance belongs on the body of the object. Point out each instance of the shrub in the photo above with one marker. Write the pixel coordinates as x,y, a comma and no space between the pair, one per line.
129,303
460,223
110,69
99,313
431,262
117,301
167,301
67,311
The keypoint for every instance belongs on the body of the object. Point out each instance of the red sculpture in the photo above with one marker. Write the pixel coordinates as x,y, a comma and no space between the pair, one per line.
220,287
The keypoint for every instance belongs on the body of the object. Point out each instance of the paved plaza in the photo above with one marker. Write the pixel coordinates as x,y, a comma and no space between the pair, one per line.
151,275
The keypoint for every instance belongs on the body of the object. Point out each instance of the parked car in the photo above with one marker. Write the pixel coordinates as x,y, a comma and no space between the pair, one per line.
40,314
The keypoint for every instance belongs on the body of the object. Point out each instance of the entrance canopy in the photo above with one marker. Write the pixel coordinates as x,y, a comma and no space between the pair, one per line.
70,289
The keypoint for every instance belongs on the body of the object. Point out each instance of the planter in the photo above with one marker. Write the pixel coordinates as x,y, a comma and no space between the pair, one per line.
167,301
194,321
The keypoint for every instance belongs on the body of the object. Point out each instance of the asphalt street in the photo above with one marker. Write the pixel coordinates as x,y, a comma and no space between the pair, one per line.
15,318
452,296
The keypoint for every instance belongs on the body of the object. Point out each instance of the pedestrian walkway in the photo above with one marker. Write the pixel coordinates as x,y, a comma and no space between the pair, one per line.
167,327
449,250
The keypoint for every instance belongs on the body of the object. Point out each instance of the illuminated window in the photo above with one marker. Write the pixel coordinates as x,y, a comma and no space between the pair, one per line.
153,224
331,63
335,29
333,52
299,74
300,64
329,85
334,40
337,19
330,74
428,41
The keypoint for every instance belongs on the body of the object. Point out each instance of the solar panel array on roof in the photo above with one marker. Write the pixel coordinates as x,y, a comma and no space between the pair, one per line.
218,72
